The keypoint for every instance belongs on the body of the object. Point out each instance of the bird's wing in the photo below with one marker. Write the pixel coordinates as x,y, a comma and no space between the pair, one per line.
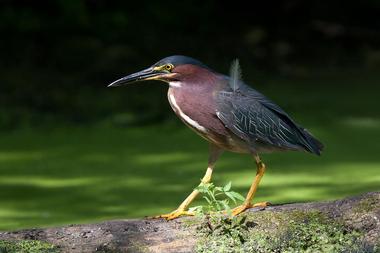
254,118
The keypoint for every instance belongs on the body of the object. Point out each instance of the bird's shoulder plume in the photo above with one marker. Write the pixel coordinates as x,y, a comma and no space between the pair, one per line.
235,75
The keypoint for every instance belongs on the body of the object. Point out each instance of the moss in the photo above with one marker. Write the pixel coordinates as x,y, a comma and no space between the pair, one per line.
193,221
138,247
377,247
107,249
367,205
27,246
294,231
314,232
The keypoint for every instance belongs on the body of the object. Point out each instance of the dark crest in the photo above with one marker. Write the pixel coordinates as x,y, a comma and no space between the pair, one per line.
235,75
177,60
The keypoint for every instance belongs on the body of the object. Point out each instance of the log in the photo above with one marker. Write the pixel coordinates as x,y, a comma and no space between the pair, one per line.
286,225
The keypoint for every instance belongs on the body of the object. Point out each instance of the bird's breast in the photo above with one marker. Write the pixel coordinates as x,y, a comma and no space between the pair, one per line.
183,116
178,105
197,110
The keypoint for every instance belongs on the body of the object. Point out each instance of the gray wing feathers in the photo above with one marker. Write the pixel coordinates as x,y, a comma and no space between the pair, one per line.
254,118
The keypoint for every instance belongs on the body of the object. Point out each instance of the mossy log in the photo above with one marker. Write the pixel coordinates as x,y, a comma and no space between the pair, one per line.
288,226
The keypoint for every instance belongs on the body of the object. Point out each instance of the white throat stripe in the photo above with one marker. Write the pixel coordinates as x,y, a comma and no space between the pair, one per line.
186,118
175,84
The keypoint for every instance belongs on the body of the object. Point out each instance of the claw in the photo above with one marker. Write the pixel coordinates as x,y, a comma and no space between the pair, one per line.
173,215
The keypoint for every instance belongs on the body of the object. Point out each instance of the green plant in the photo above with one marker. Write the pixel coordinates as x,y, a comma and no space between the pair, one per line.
27,246
218,198
216,217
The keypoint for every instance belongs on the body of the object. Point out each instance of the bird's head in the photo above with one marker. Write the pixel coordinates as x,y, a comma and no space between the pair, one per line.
173,70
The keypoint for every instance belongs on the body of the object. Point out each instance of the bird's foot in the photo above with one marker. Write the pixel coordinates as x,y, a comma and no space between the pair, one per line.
173,215
239,209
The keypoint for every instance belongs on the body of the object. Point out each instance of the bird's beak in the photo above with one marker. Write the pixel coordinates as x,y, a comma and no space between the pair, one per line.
146,74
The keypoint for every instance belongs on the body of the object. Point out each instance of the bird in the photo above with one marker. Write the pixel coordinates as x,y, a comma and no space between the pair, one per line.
227,113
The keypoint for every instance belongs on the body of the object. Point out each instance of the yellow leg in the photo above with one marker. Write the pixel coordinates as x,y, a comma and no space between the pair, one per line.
252,191
181,210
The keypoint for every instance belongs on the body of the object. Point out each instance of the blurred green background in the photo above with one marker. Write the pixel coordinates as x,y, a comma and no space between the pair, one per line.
73,151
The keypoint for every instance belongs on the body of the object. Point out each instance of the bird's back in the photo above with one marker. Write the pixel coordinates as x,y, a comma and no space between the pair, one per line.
261,123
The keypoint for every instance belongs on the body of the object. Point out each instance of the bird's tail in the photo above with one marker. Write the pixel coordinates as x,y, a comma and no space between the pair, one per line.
312,144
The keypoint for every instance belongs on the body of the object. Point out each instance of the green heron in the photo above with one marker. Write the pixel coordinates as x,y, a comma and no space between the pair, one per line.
228,114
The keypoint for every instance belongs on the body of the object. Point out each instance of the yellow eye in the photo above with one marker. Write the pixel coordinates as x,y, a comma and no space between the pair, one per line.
168,67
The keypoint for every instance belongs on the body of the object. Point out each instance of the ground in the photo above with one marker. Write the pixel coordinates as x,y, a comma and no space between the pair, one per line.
347,225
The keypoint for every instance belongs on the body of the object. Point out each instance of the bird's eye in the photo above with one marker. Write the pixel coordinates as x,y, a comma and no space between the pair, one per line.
168,67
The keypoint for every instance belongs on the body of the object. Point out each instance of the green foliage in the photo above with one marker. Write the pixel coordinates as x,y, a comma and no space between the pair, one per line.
218,198
288,232
27,246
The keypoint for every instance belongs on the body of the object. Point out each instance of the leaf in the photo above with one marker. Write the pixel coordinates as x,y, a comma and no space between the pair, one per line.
207,199
218,189
227,187
225,205
231,196
237,196
218,206
201,188
198,210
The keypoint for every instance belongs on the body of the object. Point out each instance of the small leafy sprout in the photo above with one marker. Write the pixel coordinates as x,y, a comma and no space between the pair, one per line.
218,198
216,220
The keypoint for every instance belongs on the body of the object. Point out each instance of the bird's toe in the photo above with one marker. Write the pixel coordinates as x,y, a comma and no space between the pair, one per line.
239,209
173,215
262,204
